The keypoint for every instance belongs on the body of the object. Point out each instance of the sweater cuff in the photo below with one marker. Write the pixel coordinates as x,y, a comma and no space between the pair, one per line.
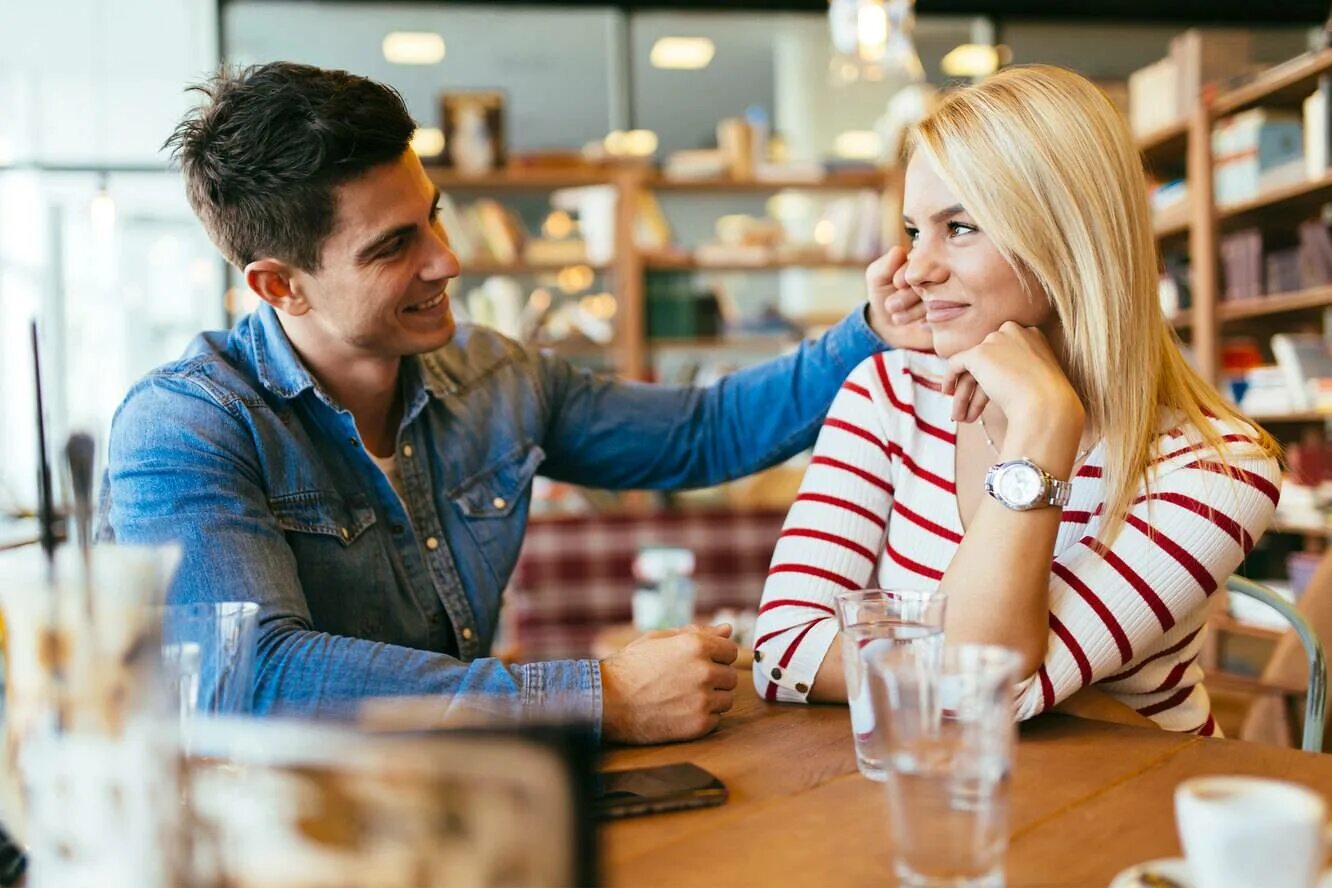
794,680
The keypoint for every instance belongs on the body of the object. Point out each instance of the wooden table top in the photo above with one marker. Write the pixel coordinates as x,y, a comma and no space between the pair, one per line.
1089,800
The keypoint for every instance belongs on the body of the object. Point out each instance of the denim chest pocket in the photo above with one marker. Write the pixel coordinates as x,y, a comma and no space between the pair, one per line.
317,512
495,491
340,567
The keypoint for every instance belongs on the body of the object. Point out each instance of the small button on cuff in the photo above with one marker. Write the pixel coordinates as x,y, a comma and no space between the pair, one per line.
499,502
758,656
776,674
346,535
801,687
467,633
432,544
406,450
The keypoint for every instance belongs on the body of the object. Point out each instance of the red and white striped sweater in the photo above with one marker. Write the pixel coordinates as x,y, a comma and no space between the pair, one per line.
1129,618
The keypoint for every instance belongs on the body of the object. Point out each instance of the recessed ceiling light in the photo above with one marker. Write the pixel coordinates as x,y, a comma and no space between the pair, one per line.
971,60
428,141
682,53
414,48
858,145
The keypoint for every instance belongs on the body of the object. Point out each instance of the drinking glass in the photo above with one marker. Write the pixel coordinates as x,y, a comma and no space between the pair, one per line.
90,775
875,620
208,652
949,741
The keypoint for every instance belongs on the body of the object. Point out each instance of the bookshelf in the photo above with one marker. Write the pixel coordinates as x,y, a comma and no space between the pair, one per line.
1275,211
627,270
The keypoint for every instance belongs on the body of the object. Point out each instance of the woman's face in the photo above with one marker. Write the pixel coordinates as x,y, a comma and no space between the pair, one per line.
968,288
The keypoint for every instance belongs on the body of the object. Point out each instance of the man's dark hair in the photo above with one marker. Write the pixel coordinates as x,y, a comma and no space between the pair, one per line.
263,156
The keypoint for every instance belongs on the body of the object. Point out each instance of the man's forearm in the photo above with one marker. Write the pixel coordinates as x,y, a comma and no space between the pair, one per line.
305,673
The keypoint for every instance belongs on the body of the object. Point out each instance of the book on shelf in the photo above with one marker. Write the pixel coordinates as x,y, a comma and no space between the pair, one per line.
651,229
1241,264
1306,361
1315,134
1315,253
483,231
1282,270
551,251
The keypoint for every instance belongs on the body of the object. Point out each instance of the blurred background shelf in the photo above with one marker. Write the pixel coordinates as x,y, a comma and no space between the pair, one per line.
843,181
1287,84
1165,145
1278,303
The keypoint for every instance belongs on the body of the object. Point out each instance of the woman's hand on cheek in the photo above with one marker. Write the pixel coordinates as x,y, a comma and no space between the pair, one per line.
1015,368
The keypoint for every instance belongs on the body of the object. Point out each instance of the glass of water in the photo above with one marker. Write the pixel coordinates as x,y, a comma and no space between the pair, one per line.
208,653
872,621
949,742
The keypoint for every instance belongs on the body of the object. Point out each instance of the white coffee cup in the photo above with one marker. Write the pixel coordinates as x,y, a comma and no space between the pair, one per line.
1250,832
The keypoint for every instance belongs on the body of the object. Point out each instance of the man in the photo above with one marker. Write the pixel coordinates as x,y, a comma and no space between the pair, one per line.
363,470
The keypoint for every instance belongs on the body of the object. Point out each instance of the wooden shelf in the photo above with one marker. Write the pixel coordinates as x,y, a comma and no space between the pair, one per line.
715,342
1173,229
1166,145
1286,84
1302,416
517,180
1277,303
489,268
1181,320
658,263
1230,625
873,179
1311,530
1289,204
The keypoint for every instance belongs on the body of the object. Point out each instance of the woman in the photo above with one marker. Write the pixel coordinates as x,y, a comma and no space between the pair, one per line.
1032,251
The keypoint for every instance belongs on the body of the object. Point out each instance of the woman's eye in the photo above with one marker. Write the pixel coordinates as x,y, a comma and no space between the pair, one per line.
912,234
391,250
956,228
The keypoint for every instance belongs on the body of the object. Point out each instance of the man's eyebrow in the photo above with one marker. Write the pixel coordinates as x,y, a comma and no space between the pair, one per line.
946,212
368,251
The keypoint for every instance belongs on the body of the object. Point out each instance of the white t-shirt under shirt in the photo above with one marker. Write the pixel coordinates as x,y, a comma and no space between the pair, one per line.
389,466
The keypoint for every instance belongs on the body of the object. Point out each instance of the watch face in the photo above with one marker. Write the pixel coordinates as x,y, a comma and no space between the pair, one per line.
1019,484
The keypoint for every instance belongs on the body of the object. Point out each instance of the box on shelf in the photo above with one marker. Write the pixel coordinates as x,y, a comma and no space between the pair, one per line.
1166,92
1254,151
1304,358
1152,91
1206,56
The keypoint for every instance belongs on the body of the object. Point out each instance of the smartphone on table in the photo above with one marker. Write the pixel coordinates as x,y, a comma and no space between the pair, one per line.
653,790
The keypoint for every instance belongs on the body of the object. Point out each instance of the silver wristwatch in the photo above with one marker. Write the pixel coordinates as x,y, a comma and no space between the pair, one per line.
1020,485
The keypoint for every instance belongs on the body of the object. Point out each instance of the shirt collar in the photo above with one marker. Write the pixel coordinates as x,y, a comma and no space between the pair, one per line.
282,372
279,367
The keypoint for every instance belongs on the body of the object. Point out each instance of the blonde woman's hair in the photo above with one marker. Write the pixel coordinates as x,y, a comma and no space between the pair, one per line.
1045,164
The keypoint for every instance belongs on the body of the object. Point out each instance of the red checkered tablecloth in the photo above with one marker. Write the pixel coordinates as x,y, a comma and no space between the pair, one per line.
575,576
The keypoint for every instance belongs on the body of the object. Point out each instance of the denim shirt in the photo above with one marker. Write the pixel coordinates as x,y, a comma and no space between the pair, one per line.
236,454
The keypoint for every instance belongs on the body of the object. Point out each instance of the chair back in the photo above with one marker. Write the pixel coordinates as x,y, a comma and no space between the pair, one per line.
1288,653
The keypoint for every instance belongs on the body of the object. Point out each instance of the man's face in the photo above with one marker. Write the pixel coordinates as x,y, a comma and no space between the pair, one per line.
968,288
381,287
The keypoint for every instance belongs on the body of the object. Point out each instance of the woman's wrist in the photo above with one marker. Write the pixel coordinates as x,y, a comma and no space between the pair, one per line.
1048,438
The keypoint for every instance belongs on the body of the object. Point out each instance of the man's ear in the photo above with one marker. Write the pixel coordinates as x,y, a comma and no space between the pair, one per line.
272,281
